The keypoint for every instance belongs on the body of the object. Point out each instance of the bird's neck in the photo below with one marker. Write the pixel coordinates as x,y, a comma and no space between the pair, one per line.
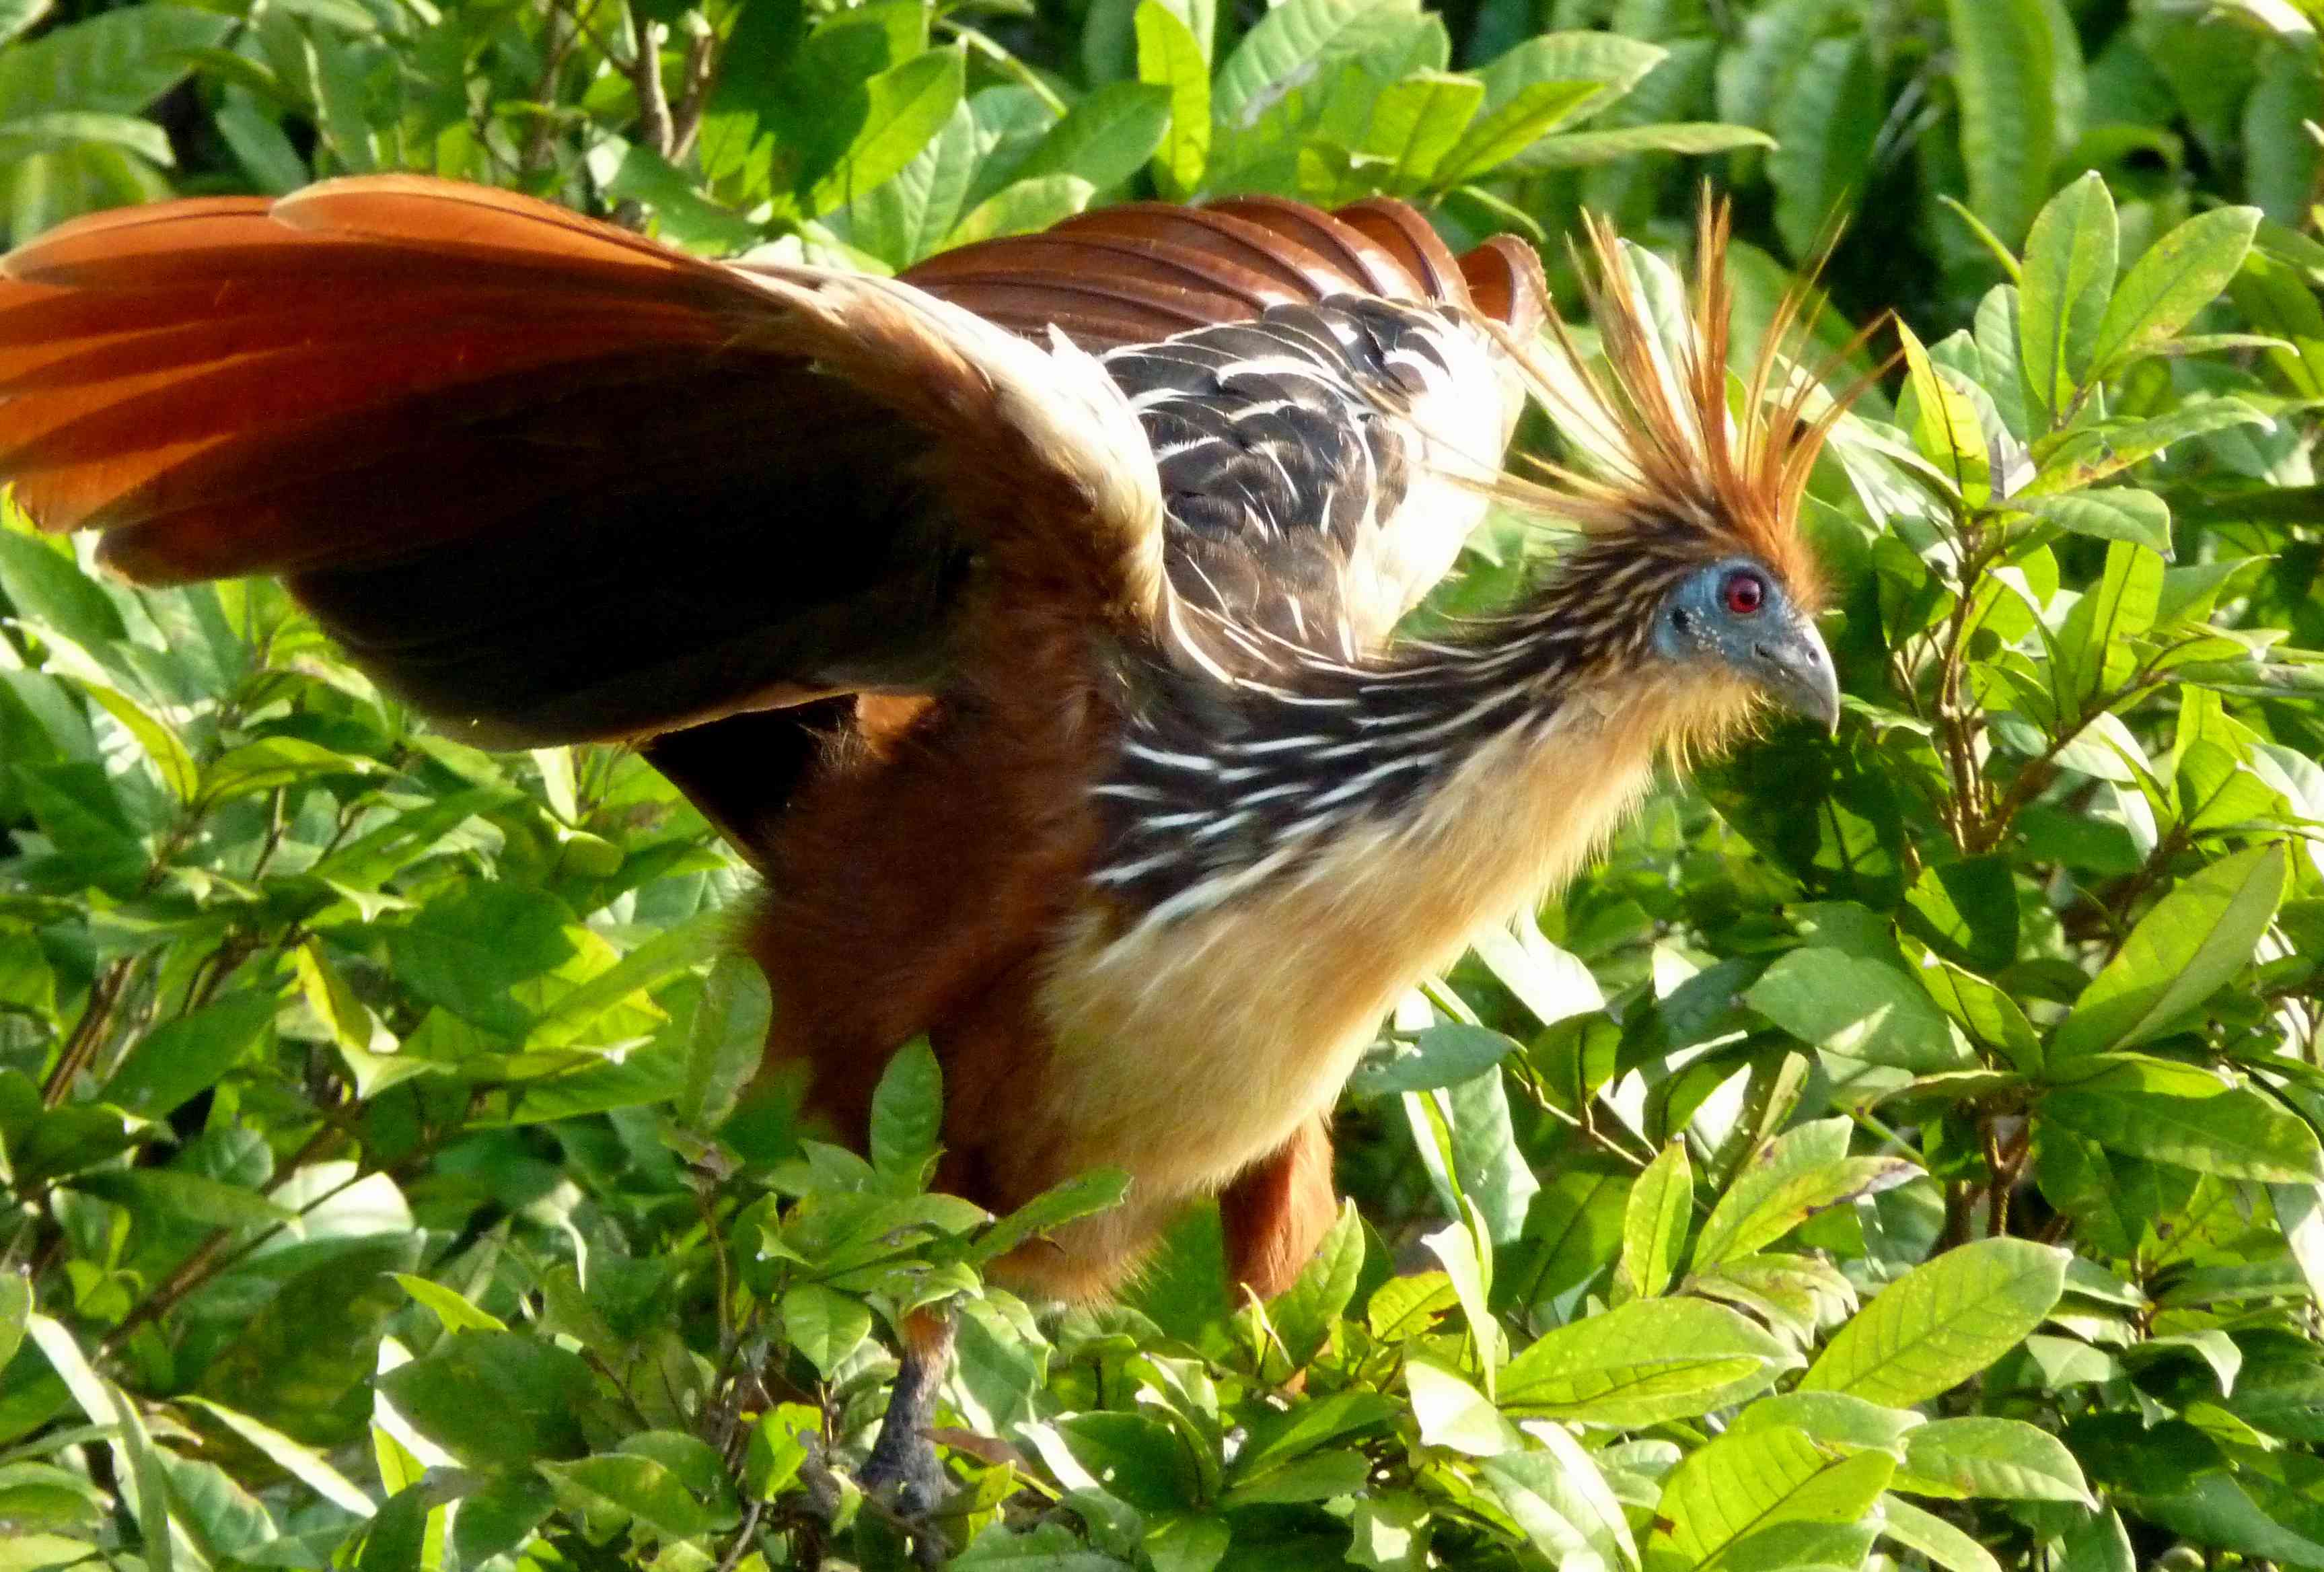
1223,789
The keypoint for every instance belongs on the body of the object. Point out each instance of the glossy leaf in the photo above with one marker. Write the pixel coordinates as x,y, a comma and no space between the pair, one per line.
1941,1322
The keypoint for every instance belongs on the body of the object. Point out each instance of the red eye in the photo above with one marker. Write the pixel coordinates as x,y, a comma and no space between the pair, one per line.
1744,593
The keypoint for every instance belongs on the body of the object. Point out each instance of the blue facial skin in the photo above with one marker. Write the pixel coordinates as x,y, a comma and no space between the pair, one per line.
1771,644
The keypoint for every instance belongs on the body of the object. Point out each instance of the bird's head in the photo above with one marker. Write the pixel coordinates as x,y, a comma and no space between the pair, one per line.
1686,481
1736,615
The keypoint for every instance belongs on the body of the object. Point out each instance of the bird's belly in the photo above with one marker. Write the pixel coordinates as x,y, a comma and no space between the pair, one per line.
1185,1049
1186,1069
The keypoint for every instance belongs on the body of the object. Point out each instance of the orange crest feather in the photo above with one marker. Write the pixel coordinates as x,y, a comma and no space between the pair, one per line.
1664,443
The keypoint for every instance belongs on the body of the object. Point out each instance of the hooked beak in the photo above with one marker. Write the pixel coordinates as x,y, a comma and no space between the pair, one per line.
1792,667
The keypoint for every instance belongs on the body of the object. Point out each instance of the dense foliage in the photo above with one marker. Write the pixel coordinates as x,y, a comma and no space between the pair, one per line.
1901,1151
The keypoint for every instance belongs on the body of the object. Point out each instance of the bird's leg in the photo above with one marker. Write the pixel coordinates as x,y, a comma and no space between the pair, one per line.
903,1458
1278,1210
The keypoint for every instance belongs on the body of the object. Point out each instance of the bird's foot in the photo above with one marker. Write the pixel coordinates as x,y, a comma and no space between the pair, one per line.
903,1472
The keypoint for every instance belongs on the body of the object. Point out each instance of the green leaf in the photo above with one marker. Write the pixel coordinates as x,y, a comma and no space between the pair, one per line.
1655,1222
136,1466
300,1463
2174,1114
908,105
1741,1485
1561,1501
2068,275
724,1043
2215,1509
824,1324
31,134
1941,1322
1106,137
223,1521
1984,1010
2182,952
167,1193
611,1492
1447,1055
2000,1460
456,1313
902,220
908,1114
1134,1456
498,1518
2114,513
1276,1438
1465,1248
272,761
1643,1363
1453,1414
17,16
468,948
683,216
1613,63
182,1057
1947,430
1825,126
2180,275
315,1340
15,1312
77,809
1023,207
1305,1314
1578,149
2089,454
1416,122
115,63
1944,1545
1549,981
1292,39
1788,1182
1169,56
1503,131
494,1399
2004,66
1317,1476
1079,1197
1831,1419
49,590
1865,1009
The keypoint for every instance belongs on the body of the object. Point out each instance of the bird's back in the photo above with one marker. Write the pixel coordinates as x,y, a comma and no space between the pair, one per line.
1321,392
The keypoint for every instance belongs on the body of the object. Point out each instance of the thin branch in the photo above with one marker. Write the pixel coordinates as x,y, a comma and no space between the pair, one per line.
88,1032
645,75
556,42
212,1255
700,77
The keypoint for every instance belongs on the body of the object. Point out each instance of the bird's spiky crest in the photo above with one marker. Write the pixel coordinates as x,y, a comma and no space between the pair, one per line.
1663,446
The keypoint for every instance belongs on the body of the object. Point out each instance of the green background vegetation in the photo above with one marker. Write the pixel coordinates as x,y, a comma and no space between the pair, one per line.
1901,1151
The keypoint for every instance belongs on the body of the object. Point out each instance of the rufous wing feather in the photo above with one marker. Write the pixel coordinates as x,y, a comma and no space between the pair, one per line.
545,476
554,480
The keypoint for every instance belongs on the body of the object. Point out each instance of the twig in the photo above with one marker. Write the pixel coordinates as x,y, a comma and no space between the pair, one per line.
556,42
89,1031
700,75
1996,1195
211,1256
740,1545
645,76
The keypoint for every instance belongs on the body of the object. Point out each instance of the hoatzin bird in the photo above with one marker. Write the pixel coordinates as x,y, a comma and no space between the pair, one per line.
1026,620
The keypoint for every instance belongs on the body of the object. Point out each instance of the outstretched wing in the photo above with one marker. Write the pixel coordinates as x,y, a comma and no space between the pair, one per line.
557,482
548,478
